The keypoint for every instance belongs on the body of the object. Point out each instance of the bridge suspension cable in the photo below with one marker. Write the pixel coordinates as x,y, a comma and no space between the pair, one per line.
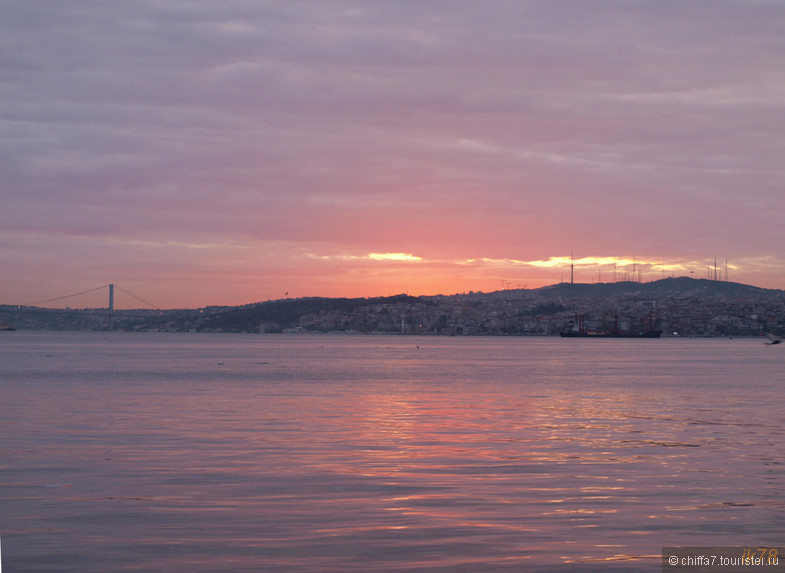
140,299
66,296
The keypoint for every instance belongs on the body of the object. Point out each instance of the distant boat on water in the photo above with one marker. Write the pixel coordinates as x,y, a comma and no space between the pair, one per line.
4,326
579,330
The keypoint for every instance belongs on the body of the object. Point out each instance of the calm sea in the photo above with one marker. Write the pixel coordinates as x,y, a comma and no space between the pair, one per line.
221,452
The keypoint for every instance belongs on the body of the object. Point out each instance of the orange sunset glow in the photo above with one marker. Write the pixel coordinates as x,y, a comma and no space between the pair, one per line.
238,153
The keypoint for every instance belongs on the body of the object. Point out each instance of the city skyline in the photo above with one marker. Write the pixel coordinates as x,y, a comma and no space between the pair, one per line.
221,155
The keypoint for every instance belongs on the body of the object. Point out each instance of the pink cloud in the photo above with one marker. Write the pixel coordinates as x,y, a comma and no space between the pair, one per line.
204,151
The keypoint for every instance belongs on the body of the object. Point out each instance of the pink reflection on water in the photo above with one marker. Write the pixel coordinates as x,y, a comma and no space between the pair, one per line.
291,459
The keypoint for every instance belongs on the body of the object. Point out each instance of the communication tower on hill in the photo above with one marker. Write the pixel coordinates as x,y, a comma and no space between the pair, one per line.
572,267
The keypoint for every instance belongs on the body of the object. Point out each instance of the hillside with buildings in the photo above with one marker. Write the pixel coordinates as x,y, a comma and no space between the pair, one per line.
678,306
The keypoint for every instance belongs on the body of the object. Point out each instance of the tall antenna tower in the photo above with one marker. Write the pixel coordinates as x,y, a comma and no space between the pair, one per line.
572,267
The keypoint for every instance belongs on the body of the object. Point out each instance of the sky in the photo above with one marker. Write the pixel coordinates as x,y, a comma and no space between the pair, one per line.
202,153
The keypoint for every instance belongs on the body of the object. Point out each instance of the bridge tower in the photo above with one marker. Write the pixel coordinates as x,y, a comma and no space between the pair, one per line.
111,307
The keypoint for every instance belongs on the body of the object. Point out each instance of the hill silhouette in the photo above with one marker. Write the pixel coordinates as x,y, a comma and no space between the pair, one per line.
662,287
383,314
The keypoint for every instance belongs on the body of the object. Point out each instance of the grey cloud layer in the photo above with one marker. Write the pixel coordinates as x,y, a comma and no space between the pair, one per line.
234,118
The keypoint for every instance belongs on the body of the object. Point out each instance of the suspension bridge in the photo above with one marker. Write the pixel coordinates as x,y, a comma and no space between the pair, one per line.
109,311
